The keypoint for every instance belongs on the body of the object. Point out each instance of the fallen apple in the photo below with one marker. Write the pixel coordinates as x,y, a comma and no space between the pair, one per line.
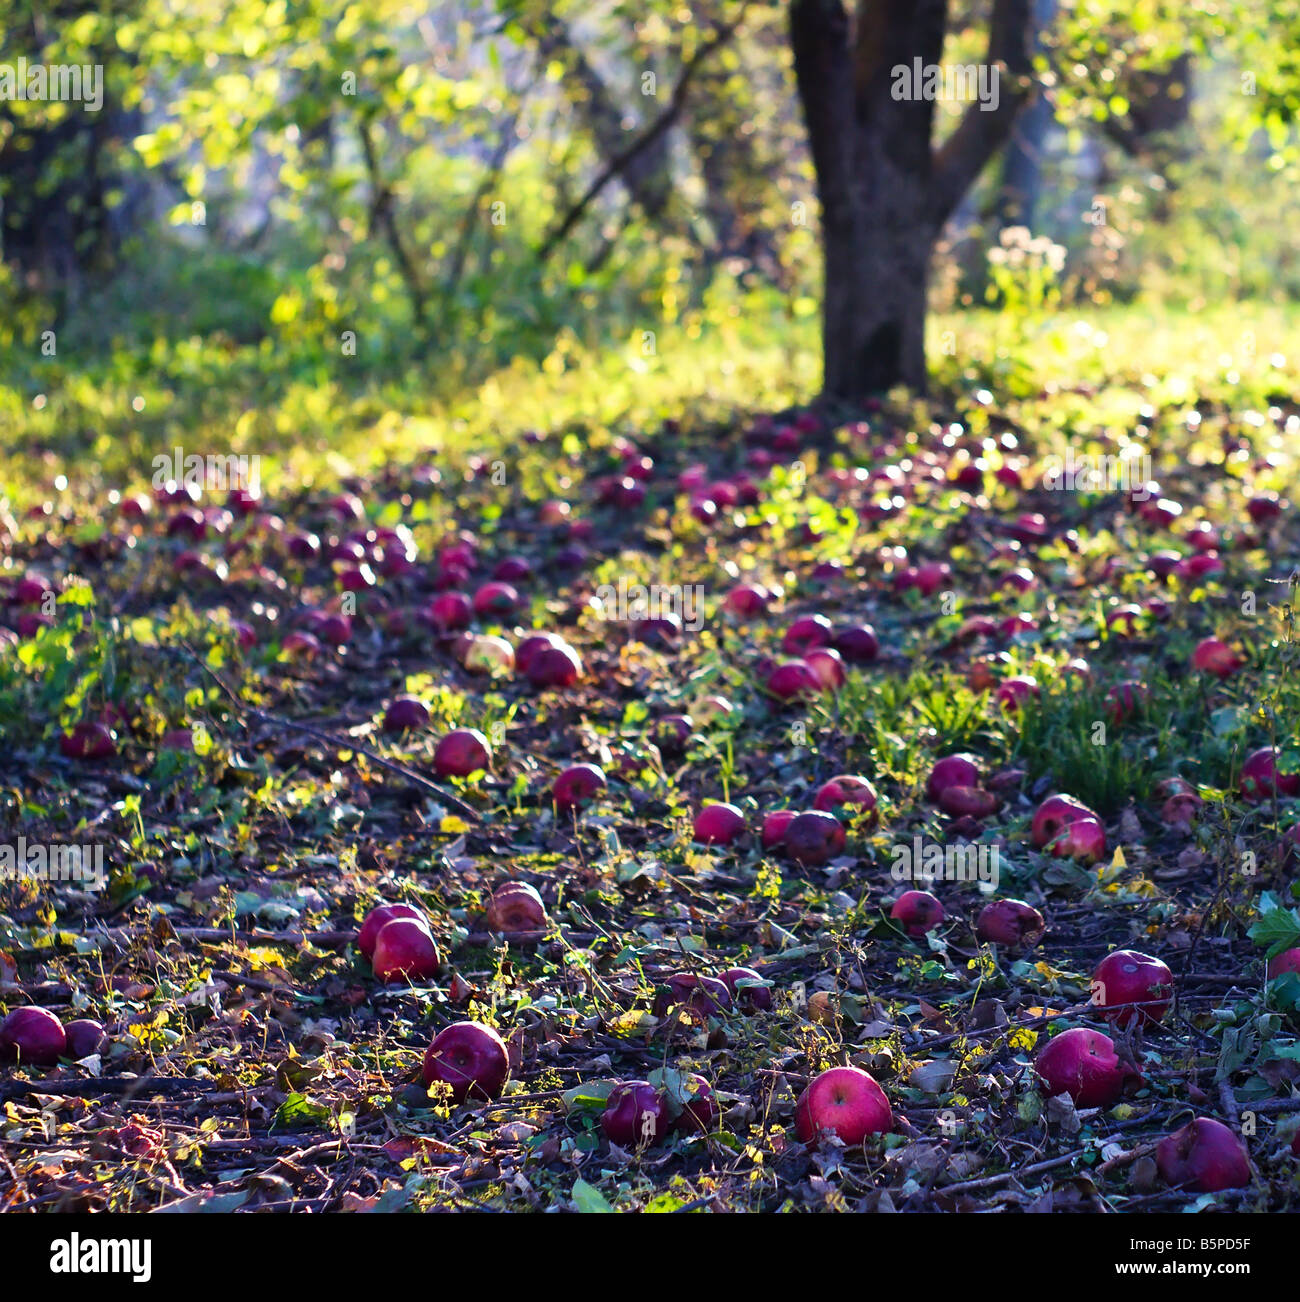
469,1058
635,1115
1204,1156
1083,1064
917,912
1128,977
846,1101
405,951
462,752
32,1036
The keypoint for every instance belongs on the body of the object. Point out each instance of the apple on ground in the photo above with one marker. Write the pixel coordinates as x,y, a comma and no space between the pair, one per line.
405,951
747,989
462,752
470,1058
635,1115
516,908
846,1101
1012,923
814,837
1127,977
378,918
1083,1064
32,1036
917,912
1204,1156
719,824
577,785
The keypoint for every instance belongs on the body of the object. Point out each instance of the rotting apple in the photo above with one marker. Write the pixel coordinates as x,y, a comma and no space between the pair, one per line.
635,1115
405,951
1008,922
1204,1156
917,912
516,907
813,837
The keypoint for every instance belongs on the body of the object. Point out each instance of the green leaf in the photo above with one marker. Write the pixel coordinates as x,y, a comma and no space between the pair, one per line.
588,1199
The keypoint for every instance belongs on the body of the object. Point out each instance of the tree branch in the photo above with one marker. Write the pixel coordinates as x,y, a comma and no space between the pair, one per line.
381,213
982,131
620,161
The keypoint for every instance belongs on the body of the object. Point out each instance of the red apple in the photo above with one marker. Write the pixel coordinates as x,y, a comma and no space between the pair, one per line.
704,995
793,680
718,824
774,827
461,753
805,634
405,712
470,1058
846,790
1054,815
828,667
848,1102
516,907
814,837
88,741
1214,657
857,643
1287,961
1083,1064
1125,700
968,802
1127,977
84,1037
635,1115
554,666
1009,922
746,991
1015,693
700,1112
1263,507
917,912
378,918
952,771
405,951
33,1036
1260,777
748,600
1204,1156
577,785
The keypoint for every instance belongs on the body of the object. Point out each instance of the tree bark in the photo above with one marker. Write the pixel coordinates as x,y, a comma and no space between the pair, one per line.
884,191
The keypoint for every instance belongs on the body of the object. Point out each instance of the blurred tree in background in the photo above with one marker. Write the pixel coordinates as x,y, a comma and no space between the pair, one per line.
464,184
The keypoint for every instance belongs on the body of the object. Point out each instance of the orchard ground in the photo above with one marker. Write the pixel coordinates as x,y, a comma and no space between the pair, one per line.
254,1059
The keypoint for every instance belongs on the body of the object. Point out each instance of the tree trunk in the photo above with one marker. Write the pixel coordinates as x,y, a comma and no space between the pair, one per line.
884,191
